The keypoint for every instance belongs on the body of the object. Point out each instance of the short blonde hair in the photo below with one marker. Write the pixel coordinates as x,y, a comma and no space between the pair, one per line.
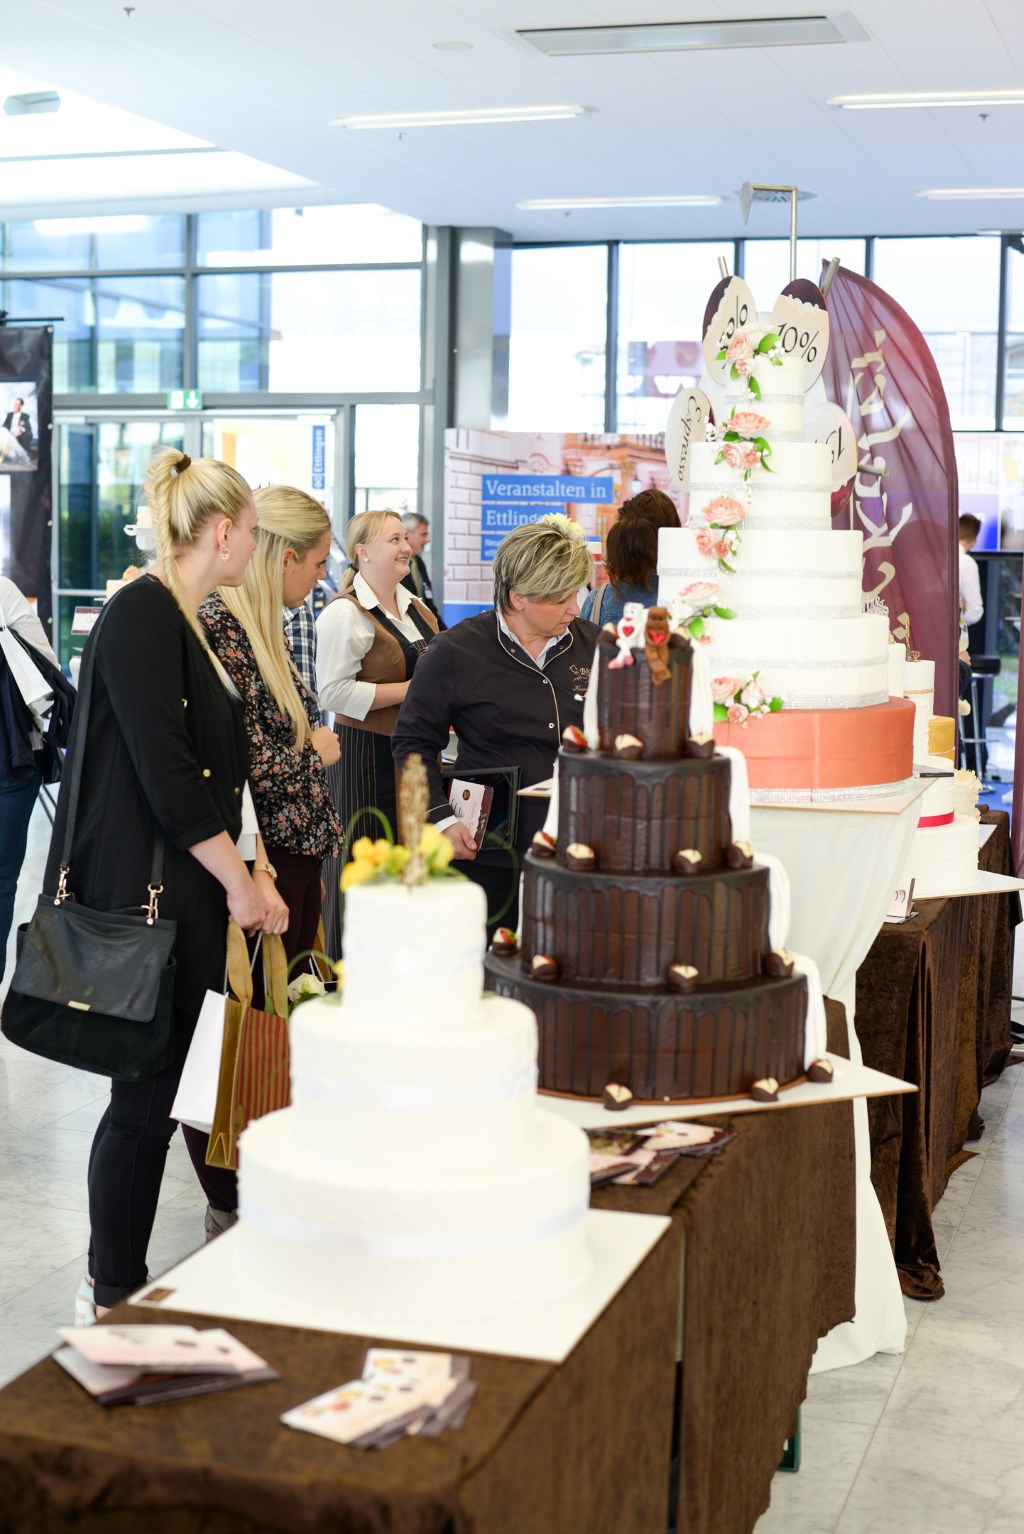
542,561
363,528
184,495
288,519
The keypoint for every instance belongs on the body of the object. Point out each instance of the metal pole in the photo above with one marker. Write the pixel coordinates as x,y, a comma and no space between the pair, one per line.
826,281
723,266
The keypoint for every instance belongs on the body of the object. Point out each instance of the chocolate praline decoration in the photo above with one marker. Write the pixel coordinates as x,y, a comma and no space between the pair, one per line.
581,859
687,861
677,640
543,844
615,1097
628,747
700,745
543,968
573,738
820,1071
779,964
504,942
739,855
765,1091
682,978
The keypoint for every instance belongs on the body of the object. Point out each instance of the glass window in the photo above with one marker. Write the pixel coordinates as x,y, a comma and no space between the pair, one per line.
387,456
663,292
276,451
766,264
1013,361
309,332
86,244
113,335
950,289
558,340
352,233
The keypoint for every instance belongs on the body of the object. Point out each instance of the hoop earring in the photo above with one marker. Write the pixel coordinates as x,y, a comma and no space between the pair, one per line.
225,554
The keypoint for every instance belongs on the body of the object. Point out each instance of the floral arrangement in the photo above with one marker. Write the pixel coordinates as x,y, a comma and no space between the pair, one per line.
741,355
565,525
304,987
722,537
693,605
744,444
423,852
738,700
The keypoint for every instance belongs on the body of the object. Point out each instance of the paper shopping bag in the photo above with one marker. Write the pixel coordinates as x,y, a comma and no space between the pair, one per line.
254,1063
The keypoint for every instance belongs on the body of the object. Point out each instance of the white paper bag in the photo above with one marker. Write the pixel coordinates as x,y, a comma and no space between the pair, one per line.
28,679
197,1090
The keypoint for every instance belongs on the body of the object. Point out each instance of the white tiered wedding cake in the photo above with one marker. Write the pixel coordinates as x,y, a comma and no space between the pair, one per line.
414,1176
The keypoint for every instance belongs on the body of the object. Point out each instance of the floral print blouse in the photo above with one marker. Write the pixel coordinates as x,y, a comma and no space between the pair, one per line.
290,789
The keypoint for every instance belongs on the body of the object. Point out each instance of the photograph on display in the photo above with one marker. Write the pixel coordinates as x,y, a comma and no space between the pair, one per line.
19,426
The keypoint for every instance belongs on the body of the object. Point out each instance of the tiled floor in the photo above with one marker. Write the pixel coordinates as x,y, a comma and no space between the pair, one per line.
928,1443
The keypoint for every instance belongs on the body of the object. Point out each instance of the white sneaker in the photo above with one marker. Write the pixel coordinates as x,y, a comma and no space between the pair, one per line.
85,1304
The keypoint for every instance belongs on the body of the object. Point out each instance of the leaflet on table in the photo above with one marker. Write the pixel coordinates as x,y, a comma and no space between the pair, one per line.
124,1366
638,1157
401,1393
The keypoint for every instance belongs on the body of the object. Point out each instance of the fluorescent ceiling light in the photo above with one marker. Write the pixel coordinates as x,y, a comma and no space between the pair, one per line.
30,103
683,200
456,119
883,100
972,193
712,32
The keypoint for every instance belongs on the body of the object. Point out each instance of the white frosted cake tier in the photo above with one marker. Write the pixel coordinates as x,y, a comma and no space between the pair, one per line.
919,687
820,663
937,802
816,574
943,860
897,658
390,1096
782,393
404,1246
414,954
796,493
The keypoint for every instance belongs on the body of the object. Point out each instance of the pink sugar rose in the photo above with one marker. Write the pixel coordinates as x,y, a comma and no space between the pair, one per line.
725,511
739,347
748,423
704,638
742,368
705,544
751,458
699,593
724,688
722,549
732,455
752,695
737,714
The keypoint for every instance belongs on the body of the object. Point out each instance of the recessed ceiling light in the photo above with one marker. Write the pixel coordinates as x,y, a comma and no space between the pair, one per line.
453,47
682,200
712,32
972,193
930,99
459,119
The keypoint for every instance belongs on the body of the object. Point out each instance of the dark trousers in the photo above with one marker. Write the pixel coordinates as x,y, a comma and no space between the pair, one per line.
19,790
298,884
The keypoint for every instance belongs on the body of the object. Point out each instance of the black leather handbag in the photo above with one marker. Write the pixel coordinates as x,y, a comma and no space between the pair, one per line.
94,989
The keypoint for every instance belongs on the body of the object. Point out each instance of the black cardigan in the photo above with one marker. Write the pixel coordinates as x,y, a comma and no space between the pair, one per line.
165,751
504,709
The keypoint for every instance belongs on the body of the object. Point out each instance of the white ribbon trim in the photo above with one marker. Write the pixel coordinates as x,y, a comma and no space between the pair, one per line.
439,1246
400,962
816,1028
399,1099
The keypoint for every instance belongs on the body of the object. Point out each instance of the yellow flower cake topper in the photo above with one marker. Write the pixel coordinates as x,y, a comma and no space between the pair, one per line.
423,853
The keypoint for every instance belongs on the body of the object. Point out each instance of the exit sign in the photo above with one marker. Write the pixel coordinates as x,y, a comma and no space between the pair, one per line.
184,399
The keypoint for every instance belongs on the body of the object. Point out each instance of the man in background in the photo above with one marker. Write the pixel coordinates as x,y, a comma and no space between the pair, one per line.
417,533
18,424
972,610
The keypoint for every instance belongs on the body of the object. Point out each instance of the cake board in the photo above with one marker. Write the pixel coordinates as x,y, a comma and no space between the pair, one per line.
212,1282
849,1081
987,884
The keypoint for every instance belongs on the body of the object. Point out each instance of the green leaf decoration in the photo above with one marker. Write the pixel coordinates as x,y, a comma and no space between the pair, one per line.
721,713
725,612
720,356
696,628
775,705
755,387
767,342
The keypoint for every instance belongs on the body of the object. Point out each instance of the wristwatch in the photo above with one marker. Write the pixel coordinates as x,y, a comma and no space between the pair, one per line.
265,868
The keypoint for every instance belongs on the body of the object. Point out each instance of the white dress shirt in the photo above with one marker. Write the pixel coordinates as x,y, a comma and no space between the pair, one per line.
20,615
344,637
972,608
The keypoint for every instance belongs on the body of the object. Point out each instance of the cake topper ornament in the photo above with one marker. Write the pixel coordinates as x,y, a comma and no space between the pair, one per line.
656,638
425,855
413,803
629,635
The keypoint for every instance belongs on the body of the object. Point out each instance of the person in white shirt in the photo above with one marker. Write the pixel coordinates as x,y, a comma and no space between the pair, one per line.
368,642
16,435
972,609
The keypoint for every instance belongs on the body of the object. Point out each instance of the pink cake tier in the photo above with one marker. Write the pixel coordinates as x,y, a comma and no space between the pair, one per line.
821,749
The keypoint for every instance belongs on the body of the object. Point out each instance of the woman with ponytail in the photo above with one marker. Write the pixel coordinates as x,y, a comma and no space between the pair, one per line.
163,758
368,642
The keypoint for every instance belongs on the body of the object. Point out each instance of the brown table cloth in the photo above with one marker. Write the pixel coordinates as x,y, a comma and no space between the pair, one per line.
930,1011
545,1448
770,1258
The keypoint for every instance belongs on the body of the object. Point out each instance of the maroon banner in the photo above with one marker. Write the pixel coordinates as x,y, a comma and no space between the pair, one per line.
880,371
1017,804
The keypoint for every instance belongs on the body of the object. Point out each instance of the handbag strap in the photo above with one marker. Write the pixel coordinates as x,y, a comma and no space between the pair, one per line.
82,710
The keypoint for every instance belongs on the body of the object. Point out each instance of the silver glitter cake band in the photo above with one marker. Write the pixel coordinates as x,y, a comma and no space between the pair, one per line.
797,702
700,572
761,487
767,398
759,662
843,610
767,798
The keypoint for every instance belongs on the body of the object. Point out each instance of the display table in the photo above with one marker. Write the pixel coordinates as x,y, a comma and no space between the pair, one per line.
933,1006
545,1448
769,1247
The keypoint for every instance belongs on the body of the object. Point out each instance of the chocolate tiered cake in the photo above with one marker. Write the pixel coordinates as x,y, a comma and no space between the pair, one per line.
645,949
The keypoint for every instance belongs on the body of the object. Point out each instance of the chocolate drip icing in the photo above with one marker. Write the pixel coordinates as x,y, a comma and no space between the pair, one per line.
636,815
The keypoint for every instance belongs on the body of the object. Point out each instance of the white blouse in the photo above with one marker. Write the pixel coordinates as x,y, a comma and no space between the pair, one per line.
20,615
344,637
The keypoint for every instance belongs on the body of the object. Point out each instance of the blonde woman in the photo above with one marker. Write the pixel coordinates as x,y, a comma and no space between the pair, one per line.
508,681
369,640
164,756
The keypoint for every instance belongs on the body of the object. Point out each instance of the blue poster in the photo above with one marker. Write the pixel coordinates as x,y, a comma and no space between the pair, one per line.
318,471
509,500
